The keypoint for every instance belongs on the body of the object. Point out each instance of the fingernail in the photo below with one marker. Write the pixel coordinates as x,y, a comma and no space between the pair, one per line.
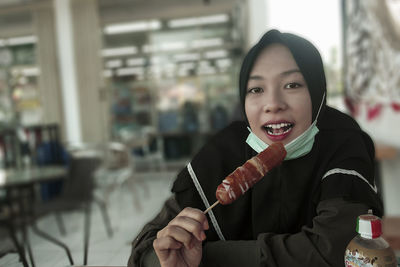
203,236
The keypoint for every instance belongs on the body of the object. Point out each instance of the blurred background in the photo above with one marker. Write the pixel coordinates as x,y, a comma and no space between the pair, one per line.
138,86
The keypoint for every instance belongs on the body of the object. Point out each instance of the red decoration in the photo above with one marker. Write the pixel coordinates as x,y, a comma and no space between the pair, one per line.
352,106
395,106
373,112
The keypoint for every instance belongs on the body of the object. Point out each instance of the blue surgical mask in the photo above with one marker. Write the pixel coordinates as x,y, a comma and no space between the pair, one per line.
298,147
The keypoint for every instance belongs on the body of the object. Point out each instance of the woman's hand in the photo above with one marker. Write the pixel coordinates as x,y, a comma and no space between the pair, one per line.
180,242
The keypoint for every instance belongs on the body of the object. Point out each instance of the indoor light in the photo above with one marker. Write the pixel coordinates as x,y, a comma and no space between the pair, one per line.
120,51
137,26
185,22
187,57
21,40
148,48
116,63
206,42
216,54
135,61
223,62
170,46
30,71
130,71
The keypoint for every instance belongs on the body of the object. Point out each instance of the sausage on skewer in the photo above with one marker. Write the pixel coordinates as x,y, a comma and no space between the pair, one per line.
245,176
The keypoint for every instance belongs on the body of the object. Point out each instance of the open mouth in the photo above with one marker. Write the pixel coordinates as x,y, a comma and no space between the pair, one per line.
278,128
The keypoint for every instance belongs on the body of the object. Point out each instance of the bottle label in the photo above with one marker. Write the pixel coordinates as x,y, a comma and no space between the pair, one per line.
358,256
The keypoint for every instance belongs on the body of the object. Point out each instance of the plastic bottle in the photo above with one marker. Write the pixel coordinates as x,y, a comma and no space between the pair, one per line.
368,248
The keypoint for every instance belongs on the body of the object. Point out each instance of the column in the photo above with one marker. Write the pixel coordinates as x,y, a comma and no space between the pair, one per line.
257,23
66,60
49,78
94,105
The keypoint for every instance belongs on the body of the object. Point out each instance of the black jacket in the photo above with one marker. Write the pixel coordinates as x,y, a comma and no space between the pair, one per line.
302,213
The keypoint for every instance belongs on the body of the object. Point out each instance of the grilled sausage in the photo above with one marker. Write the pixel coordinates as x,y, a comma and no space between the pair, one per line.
245,176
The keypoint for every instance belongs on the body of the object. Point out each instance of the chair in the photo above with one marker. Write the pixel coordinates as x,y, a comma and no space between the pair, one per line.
145,146
8,151
77,194
8,220
9,147
116,172
19,201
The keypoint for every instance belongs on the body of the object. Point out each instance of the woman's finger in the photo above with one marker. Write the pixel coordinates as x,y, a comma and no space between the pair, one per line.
165,243
195,214
190,225
178,233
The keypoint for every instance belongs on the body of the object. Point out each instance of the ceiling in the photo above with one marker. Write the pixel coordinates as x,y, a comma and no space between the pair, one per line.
16,19
18,12
13,2
112,11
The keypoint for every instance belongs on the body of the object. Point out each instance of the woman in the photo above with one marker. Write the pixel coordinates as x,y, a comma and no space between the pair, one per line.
303,212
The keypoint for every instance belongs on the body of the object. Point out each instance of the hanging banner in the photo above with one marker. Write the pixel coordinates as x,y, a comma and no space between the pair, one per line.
371,66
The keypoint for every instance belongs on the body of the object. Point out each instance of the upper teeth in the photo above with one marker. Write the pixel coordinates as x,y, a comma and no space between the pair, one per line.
278,126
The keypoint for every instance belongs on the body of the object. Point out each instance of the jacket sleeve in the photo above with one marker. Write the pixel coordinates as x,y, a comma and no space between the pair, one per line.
142,247
323,244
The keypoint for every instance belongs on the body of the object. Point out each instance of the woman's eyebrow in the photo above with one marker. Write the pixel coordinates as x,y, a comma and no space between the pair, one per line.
288,72
285,73
256,77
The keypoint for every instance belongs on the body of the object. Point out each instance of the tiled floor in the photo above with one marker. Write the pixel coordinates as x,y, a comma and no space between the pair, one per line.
127,218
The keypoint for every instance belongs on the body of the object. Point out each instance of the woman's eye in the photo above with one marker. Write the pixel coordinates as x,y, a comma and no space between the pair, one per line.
254,90
292,85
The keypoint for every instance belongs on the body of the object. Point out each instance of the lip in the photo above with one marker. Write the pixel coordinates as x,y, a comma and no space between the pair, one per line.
280,137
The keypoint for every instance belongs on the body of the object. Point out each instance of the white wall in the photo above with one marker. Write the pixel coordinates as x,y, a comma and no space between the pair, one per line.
317,21
257,20
391,185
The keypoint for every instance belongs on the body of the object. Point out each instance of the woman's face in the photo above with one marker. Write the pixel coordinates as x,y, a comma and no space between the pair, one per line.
278,103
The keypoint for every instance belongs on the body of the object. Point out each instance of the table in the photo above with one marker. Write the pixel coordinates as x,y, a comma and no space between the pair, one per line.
11,178
19,186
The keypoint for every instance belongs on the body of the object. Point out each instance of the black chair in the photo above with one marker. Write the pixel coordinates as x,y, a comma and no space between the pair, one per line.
9,220
77,194
17,215
19,200
10,147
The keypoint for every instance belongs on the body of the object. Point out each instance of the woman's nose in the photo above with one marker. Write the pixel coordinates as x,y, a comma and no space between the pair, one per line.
274,102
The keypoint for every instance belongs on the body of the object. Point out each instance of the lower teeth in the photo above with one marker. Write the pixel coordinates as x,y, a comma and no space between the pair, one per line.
280,133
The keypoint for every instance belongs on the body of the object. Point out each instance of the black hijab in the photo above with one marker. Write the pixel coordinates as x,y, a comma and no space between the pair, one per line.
307,58
287,198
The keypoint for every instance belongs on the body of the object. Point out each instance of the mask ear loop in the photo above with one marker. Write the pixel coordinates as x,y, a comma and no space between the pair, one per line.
320,107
